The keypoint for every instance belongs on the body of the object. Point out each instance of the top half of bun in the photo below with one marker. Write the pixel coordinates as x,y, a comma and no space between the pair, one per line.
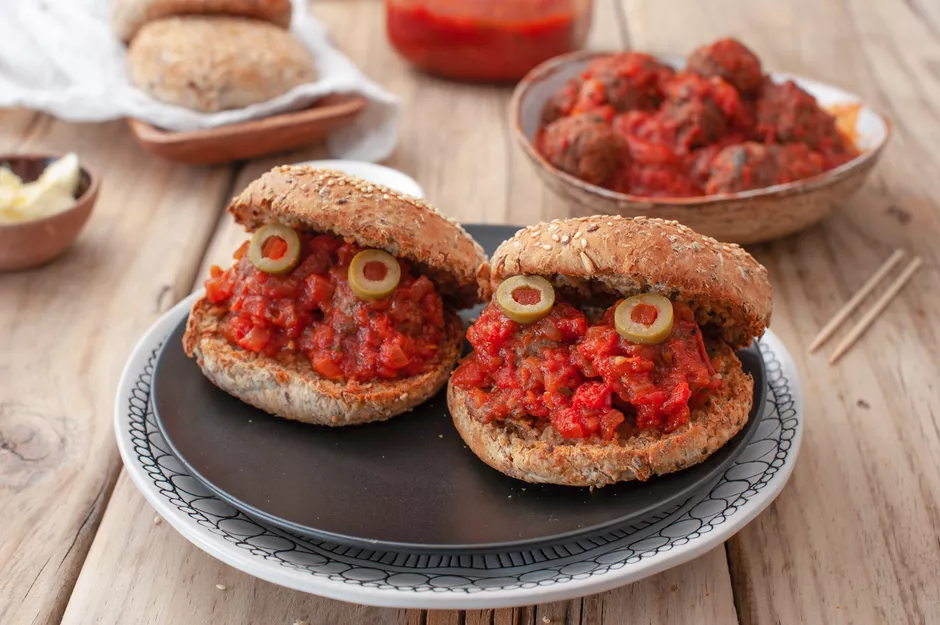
128,16
216,63
373,216
595,258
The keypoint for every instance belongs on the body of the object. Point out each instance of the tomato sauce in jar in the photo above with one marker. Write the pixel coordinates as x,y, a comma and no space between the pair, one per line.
485,40
312,312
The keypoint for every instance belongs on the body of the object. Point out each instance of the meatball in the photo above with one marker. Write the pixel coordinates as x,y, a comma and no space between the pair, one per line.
629,81
731,60
753,166
697,122
586,147
741,167
688,86
562,102
788,114
699,110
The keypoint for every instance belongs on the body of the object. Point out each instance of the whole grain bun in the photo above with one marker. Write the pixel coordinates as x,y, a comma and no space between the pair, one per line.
295,391
217,63
603,255
128,16
540,454
373,216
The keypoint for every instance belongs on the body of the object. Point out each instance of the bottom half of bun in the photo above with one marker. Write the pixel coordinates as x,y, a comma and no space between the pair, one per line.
536,452
295,391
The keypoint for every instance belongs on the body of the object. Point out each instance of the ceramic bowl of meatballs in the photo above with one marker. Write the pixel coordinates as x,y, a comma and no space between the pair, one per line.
714,141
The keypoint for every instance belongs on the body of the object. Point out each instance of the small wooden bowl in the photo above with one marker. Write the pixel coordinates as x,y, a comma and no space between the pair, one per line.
32,243
250,139
746,217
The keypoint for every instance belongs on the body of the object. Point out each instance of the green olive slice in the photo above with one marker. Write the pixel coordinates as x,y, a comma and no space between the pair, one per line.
645,318
525,299
286,261
373,274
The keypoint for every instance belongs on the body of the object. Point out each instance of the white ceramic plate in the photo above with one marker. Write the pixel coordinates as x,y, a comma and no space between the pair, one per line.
379,174
413,580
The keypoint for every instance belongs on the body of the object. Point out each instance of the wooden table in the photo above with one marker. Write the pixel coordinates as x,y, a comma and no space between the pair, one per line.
853,538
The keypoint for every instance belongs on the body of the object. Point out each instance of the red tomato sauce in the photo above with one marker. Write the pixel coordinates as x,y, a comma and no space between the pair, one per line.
485,40
313,312
586,380
678,126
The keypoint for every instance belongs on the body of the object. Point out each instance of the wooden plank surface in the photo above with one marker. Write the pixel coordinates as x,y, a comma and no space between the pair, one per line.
66,329
485,180
852,539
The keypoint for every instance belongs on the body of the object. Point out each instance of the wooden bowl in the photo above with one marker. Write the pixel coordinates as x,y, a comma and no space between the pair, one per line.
250,139
745,217
32,243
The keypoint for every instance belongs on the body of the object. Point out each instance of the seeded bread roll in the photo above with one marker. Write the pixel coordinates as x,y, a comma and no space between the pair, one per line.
215,63
592,262
538,453
373,216
376,217
724,285
128,16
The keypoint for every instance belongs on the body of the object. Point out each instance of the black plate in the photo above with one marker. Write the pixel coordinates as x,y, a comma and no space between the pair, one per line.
408,484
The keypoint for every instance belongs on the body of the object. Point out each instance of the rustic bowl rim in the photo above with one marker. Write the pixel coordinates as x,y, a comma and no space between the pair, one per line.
824,179
89,195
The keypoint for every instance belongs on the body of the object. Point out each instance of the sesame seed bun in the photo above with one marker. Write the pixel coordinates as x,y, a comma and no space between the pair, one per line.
295,391
601,258
594,261
217,63
373,216
128,16
537,453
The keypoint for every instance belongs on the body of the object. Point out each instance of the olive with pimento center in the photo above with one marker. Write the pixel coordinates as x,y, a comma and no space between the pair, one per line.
288,251
525,299
373,274
646,318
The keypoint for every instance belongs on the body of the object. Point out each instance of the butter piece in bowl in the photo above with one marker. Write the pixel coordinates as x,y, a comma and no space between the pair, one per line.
44,203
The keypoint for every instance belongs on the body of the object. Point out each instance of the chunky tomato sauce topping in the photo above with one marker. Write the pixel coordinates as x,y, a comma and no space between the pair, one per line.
312,311
585,379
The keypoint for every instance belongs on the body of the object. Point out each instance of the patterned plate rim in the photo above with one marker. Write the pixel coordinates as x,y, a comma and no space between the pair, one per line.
743,508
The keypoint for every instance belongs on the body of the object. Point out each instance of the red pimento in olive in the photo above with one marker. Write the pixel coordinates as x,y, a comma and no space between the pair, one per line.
525,299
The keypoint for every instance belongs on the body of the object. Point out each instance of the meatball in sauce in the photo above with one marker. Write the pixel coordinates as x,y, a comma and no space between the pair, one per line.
635,125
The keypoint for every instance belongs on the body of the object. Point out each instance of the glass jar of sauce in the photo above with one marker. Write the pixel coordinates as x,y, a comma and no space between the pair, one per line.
485,40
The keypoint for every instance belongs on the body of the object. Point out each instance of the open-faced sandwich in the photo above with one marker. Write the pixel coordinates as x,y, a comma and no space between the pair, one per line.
607,353
341,308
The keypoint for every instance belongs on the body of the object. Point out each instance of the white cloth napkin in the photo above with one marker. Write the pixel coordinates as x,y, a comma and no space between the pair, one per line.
61,57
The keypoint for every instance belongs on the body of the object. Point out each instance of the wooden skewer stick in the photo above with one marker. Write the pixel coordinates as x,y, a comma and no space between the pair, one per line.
853,303
872,314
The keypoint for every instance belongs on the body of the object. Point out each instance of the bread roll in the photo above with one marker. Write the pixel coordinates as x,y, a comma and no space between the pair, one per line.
213,64
375,217
128,16
592,262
